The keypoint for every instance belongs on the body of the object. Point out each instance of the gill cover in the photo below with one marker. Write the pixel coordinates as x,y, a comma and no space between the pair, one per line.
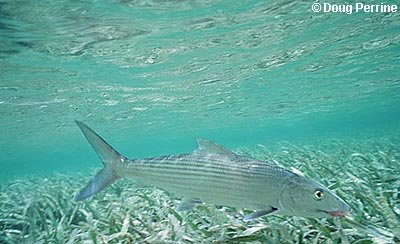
304,197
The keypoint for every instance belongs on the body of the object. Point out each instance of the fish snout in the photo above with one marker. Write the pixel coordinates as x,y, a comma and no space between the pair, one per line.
345,209
337,213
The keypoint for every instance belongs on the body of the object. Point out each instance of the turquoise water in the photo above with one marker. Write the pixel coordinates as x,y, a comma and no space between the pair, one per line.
150,76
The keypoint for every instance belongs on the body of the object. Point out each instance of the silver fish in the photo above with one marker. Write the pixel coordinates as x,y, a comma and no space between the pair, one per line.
216,175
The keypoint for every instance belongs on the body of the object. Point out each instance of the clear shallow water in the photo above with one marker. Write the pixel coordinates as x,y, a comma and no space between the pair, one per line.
151,75
272,80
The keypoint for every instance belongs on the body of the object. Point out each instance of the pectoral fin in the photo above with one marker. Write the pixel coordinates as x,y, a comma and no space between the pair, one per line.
187,204
259,213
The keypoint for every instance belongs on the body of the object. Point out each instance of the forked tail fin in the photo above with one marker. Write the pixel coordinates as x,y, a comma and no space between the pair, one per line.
110,158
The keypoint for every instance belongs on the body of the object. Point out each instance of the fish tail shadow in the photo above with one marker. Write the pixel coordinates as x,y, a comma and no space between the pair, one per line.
110,159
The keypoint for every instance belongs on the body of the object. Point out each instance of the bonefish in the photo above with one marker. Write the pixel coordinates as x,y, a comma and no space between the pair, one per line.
213,174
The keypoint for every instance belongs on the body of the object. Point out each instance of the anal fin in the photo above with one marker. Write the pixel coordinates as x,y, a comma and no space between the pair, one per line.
187,204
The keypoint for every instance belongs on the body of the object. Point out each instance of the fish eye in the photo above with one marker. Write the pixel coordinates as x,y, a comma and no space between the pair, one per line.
318,194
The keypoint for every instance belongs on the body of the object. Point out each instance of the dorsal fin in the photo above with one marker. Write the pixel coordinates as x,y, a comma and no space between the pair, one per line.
208,147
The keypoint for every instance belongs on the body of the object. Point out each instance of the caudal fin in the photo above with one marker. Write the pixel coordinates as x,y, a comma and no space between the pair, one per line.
110,158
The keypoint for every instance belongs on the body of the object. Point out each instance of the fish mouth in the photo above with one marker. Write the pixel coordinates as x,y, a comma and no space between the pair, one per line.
335,213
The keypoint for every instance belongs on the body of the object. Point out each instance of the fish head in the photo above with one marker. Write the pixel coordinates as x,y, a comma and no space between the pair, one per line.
306,198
